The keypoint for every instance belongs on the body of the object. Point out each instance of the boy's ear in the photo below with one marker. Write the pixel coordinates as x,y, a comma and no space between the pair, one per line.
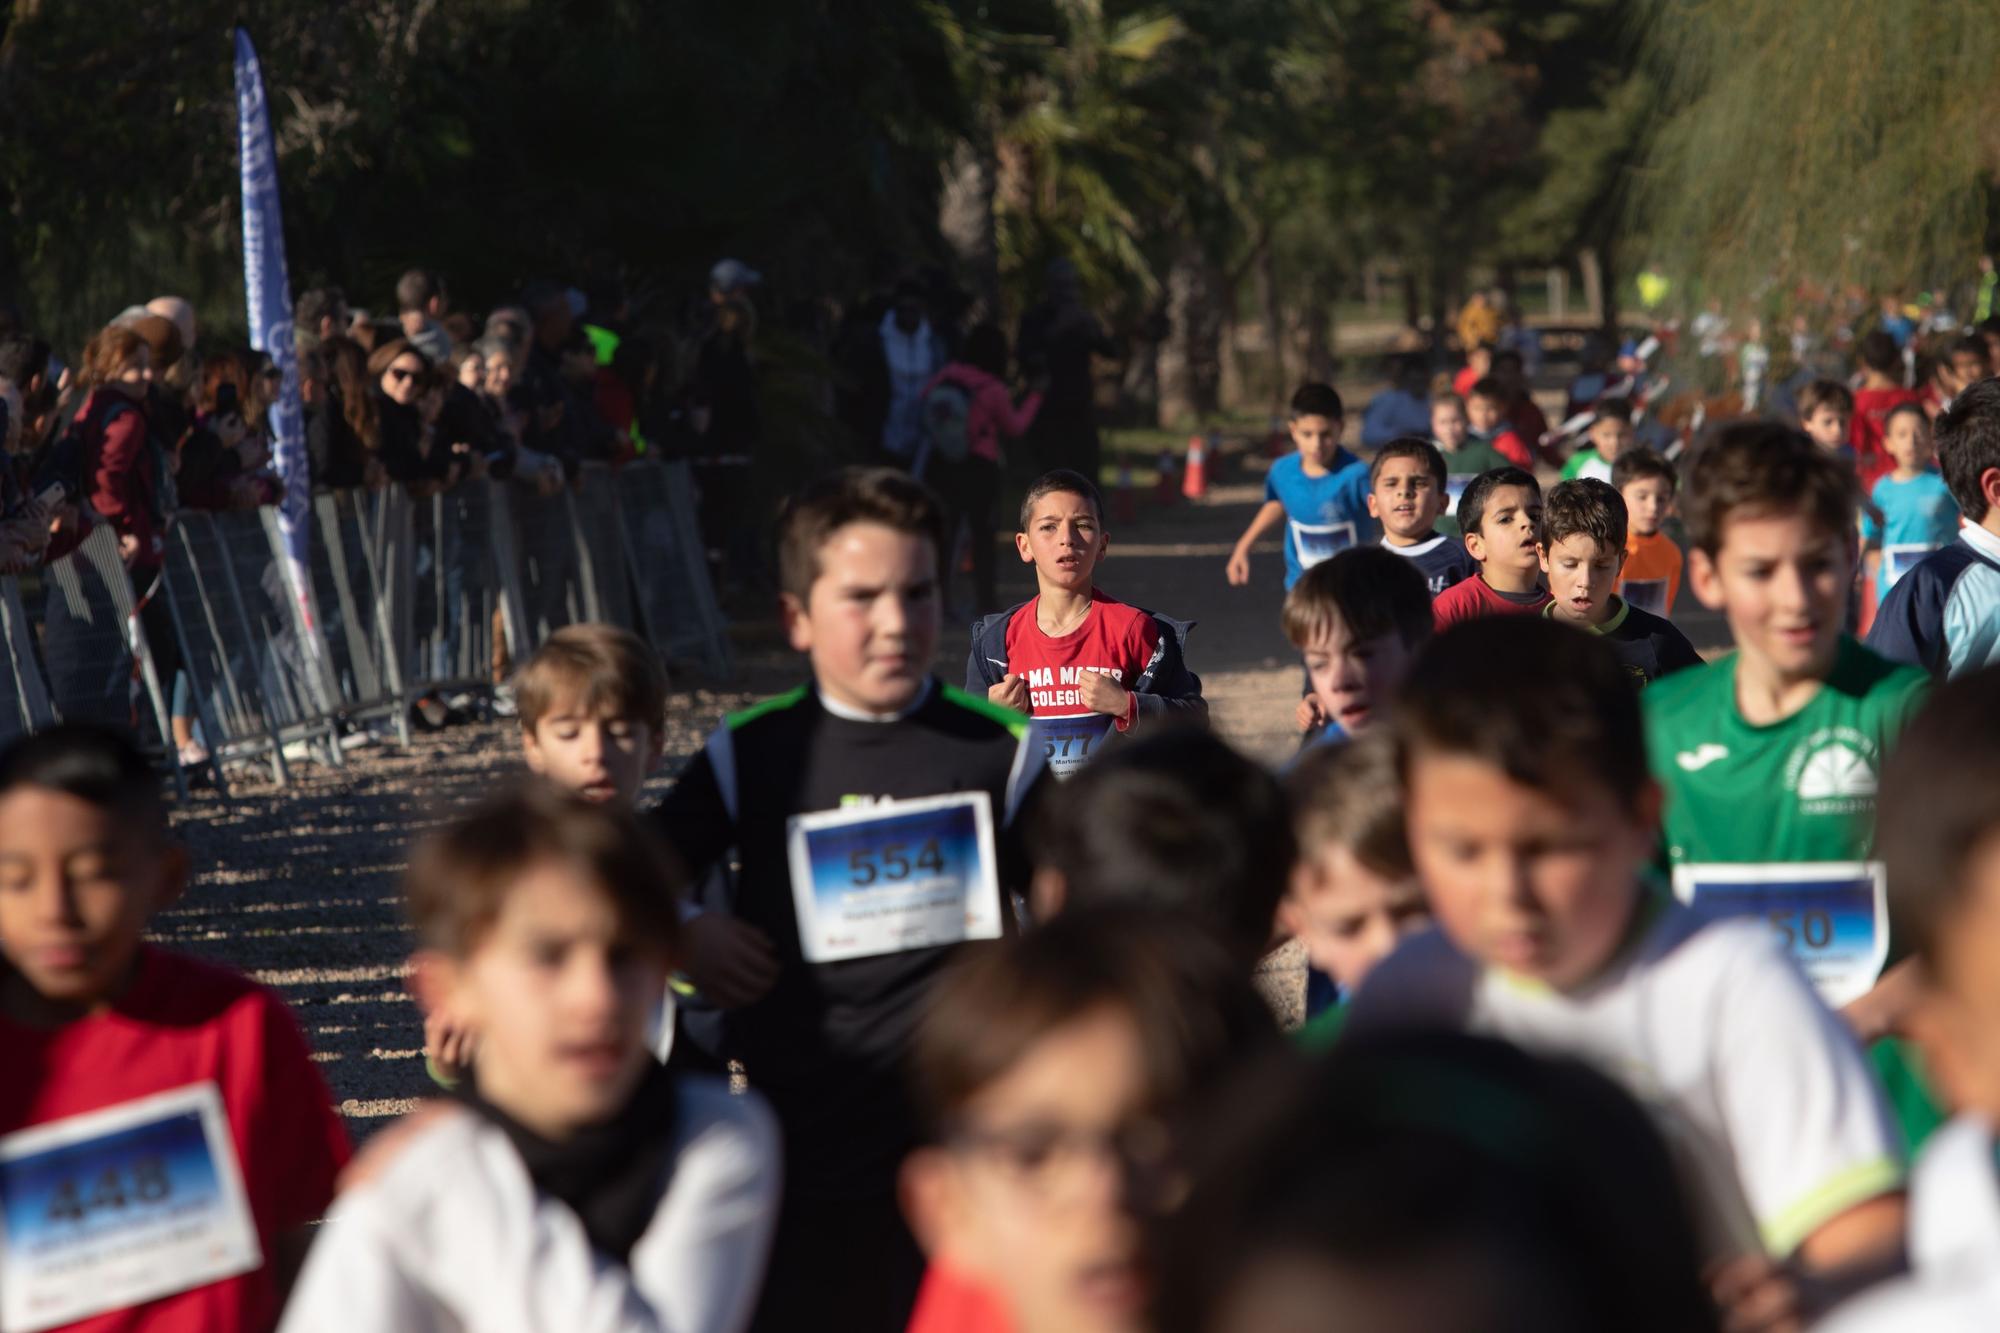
1047,892
798,622
1704,578
929,1191
432,980
1542,555
1021,548
531,751
1374,510
1475,546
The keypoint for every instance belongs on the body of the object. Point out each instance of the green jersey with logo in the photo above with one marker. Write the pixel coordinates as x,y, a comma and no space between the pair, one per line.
1778,820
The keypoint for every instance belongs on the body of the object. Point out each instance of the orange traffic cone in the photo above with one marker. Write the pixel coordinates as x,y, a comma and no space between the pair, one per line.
1194,481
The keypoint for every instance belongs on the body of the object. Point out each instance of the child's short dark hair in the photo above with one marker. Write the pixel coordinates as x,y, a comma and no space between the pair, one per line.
1176,819
1766,468
1613,409
1447,399
1410,446
1394,1153
1825,393
1317,400
606,671
1968,443
1905,410
1195,1011
852,495
1939,804
1349,796
1585,507
1062,481
1878,352
459,878
1547,706
1970,344
1639,464
1489,388
1368,590
98,765
1479,492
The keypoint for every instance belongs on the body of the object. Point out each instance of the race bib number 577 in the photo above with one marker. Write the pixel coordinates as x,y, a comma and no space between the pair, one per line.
894,876
116,1207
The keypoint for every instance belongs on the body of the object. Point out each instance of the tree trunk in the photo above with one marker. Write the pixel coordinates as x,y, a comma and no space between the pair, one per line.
1607,263
1593,284
965,219
1190,360
1413,306
1274,323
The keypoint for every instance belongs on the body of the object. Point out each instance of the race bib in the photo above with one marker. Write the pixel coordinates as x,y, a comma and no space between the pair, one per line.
894,876
1900,559
1317,542
1646,594
1066,744
116,1207
1832,915
1454,486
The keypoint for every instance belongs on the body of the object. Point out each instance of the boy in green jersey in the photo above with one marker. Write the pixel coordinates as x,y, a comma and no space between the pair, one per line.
1769,756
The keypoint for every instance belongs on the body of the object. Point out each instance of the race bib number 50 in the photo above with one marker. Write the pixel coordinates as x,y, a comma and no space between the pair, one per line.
116,1207
1833,916
894,876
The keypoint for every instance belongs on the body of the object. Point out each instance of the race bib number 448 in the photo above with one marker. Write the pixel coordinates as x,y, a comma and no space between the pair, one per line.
1833,916
894,876
121,1206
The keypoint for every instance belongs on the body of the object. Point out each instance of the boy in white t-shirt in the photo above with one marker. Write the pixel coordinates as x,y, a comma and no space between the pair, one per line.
1531,815
578,1182
1937,817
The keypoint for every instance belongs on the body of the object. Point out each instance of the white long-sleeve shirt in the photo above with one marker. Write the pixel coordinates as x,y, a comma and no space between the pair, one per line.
452,1236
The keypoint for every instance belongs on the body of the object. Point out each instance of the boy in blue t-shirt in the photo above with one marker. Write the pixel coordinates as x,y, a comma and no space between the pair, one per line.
1918,514
1319,493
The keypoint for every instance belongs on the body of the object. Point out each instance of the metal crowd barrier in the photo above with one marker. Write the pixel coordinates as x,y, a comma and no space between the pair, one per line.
401,597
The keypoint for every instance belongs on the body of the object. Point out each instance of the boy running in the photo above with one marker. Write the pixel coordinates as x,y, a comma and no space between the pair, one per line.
1319,493
577,1182
1944,615
1359,620
1651,578
871,812
1610,435
1531,818
165,1140
1081,664
1938,817
1501,514
1912,513
1583,548
1407,482
1769,757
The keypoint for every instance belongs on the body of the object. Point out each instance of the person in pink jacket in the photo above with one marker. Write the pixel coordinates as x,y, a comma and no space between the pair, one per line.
967,408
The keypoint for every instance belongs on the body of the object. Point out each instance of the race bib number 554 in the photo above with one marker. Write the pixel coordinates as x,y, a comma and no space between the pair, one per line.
116,1207
894,876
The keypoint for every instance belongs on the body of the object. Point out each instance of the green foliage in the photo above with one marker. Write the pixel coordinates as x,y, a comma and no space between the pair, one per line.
1828,142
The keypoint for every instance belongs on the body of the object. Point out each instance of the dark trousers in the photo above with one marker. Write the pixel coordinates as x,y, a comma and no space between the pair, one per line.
970,489
846,1264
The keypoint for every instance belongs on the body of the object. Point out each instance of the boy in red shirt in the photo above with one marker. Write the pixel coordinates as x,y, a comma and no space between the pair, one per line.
1082,665
164,1138
1501,513
1881,393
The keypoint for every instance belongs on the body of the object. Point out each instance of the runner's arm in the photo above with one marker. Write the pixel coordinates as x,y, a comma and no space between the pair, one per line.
1267,517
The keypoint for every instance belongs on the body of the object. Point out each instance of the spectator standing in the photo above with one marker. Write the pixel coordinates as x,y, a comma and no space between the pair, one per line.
910,354
420,303
1056,341
967,408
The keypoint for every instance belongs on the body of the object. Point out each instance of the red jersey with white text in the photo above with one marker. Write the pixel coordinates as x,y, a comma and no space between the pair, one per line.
1114,639
1476,597
185,1024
